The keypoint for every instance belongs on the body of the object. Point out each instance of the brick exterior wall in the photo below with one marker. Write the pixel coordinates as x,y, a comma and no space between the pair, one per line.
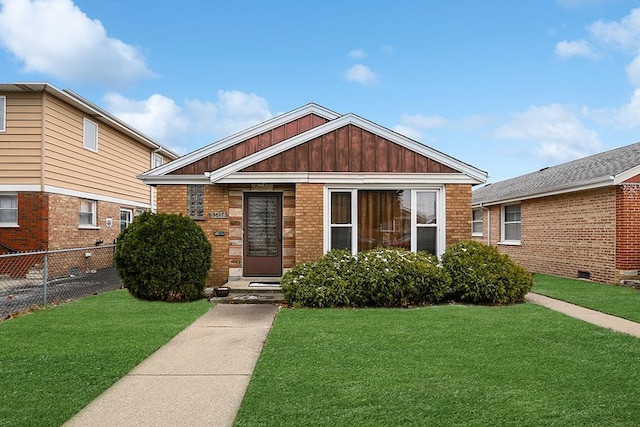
172,199
564,234
458,214
33,231
51,221
628,231
64,219
309,205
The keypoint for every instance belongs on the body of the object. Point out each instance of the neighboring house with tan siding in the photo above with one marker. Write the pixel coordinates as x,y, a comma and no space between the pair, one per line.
68,170
578,219
294,187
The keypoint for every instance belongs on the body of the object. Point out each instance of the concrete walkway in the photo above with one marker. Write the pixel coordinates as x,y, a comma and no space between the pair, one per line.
597,318
197,379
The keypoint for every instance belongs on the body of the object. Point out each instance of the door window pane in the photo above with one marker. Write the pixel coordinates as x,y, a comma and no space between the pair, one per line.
262,224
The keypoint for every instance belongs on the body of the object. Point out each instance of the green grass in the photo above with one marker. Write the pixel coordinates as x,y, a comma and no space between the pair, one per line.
619,301
55,361
445,365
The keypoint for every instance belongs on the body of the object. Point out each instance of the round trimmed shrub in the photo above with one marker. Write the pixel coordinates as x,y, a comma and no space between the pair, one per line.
480,274
320,284
163,257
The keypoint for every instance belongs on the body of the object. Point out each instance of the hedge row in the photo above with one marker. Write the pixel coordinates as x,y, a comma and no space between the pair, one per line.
383,277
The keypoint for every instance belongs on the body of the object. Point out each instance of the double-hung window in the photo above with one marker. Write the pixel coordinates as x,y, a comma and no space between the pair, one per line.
3,113
363,219
511,232
87,213
126,216
476,222
90,135
8,210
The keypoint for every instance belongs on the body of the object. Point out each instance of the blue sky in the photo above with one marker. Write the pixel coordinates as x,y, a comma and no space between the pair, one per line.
507,86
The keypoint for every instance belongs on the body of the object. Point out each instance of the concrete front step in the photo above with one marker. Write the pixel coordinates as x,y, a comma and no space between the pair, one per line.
253,298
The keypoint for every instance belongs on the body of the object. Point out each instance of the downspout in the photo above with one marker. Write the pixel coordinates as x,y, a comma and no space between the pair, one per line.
42,141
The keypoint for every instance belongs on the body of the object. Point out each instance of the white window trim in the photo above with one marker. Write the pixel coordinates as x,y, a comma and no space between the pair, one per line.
130,211
84,135
94,216
481,221
441,222
3,116
154,163
11,224
503,240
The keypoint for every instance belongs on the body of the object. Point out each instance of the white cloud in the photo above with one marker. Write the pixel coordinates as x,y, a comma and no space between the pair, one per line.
357,54
557,131
232,112
623,35
567,49
174,126
413,125
55,37
361,74
628,116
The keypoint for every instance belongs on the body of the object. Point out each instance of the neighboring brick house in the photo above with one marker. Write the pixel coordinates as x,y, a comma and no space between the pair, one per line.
67,170
578,219
292,188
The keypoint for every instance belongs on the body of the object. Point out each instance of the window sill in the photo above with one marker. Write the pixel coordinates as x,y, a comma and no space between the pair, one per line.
510,243
477,235
88,227
9,225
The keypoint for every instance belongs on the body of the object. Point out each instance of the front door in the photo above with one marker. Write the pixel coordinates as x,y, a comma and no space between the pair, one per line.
262,234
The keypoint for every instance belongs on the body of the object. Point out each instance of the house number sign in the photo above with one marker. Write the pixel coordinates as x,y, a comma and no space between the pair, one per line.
217,215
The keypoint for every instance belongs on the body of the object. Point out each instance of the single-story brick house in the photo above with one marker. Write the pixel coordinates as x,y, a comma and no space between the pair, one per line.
293,187
578,219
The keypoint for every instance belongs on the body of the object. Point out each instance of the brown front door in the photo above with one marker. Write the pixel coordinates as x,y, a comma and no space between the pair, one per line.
262,234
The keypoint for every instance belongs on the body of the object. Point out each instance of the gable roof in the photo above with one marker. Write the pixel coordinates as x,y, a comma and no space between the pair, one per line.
91,110
334,121
600,170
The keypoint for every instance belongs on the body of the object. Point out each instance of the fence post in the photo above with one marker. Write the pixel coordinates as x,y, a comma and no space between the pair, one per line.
45,277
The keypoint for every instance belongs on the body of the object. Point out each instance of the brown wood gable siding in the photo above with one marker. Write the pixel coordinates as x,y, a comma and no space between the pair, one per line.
251,145
350,149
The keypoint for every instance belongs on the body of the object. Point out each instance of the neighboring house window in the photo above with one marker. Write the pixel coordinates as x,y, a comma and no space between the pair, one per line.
90,135
363,219
195,201
8,210
3,113
156,160
87,213
511,223
476,222
126,216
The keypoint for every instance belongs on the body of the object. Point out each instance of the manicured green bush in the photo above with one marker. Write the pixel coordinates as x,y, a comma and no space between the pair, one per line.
163,257
379,277
320,284
481,274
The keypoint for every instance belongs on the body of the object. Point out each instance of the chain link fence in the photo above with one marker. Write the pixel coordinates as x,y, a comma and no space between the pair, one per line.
37,279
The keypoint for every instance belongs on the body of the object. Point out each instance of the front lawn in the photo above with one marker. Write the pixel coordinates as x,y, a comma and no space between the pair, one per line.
619,301
55,361
442,365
